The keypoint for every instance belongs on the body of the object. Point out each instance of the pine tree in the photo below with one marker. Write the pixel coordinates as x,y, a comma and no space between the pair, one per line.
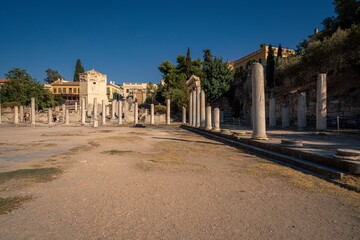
270,68
78,69
280,51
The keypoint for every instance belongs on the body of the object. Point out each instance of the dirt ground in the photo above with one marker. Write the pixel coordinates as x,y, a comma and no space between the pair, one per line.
158,183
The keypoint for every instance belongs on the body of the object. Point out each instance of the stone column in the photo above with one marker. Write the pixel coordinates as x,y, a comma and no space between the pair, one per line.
95,116
198,105
190,108
50,118
120,112
63,111
321,102
202,110
152,114
116,108
113,105
285,117
183,115
126,107
33,111
16,115
194,109
107,111
136,113
216,120
208,118
258,102
67,117
103,114
272,112
21,113
301,113
76,107
167,111
83,113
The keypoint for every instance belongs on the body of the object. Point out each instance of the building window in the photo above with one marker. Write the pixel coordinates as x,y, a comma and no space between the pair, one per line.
259,60
70,90
60,90
55,90
64,90
127,90
74,90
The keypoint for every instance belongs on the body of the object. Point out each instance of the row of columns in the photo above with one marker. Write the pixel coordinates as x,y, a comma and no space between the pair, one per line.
321,112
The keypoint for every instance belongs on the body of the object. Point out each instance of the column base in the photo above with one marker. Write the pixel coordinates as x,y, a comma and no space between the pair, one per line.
263,137
216,130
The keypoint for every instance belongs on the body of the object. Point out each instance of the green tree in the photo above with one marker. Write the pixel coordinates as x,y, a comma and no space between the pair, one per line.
216,80
207,56
52,76
188,64
270,68
22,87
78,69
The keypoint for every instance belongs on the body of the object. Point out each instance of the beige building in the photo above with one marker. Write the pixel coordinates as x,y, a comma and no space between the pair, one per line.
93,85
260,56
135,91
114,91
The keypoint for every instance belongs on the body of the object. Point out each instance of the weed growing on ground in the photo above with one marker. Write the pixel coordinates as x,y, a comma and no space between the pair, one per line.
10,203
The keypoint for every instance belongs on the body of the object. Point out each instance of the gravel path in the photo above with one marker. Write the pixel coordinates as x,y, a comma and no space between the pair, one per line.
167,183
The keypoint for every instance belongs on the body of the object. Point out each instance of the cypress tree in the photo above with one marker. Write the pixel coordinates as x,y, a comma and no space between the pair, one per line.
78,69
207,56
280,51
270,68
188,64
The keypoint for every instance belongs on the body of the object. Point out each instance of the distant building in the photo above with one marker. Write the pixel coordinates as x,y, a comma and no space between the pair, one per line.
68,90
93,85
3,81
259,56
135,91
114,91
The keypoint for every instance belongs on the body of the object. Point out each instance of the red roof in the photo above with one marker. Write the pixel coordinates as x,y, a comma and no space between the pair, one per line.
4,80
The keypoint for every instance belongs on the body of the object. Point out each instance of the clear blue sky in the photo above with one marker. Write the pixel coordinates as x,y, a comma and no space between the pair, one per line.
127,40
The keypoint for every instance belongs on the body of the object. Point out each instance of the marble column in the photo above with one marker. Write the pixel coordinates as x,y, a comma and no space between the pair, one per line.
216,120
285,117
21,113
32,111
63,108
272,112
76,106
50,118
113,109
208,118
120,112
83,113
16,115
194,108
107,111
190,108
95,116
258,102
126,108
167,111
202,110
103,113
198,105
301,113
152,121
136,113
67,117
321,98
183,115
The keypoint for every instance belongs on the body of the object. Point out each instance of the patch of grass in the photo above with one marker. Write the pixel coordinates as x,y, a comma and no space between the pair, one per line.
10,203
36,174
116,152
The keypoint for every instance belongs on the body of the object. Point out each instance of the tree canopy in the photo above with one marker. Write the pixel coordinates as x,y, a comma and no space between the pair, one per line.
52,76
217,77
78,69
22,87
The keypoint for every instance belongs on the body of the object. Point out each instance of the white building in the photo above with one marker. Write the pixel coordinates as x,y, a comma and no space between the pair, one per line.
93,85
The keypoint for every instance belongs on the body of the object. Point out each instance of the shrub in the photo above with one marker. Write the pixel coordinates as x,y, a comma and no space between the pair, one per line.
10,104
160,109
